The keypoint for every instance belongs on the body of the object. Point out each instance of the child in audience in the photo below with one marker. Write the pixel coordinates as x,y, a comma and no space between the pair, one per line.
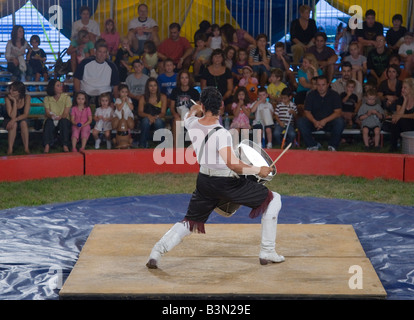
80,48
37,58
358,61
201,54
230,55
242,60
280,60
167,81
123,107
406,52
285,112
349,102
249,82
215,41
275,86
81,118
111,37
371,116
263,117
241,110
103,118
122,59
150,58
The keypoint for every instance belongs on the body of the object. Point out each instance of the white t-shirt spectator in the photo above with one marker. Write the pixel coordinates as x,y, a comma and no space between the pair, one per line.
92,27
148,23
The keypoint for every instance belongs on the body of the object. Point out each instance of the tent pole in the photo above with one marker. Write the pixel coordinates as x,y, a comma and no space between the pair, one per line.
213,11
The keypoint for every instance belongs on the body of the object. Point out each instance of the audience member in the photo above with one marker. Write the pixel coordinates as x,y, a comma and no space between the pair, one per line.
219,76
377,61
204,28
285,114
406,52
263,112
280,60
81,119
57,112
103,118
396,59
181,100
167,80
123,55
239,39
325,55
403,118
389,90
396,34
86,23
241,61
17,109
80,48
350,103
150,59
249,82
230,54
322,112
111,37
175,47
358,62
276,86
123,108
215,41
344,36
309,70
36,58
367,36
201,54
302,33
346,74
259,59
96,75
241,111
371,116
141,29
15,52
136,82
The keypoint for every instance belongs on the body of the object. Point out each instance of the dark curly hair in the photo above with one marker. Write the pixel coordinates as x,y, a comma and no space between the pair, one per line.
211,99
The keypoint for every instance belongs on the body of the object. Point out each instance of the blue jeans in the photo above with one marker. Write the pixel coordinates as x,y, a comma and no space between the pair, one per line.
145,130
277,134
335,127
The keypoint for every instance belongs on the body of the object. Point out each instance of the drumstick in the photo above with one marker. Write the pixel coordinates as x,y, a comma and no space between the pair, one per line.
284,151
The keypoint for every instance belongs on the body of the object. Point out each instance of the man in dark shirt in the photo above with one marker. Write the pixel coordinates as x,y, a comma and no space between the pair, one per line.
322,112
370,30
378,60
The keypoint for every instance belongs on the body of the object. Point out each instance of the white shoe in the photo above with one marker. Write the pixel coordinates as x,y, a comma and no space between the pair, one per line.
108,144
330,148
269,145
314,148
97,143
271,257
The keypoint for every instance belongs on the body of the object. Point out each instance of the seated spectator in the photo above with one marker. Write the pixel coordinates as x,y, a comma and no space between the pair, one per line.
322,112
367,36
96,75
389,90
263,118
204,28
85,23
123,55
396,34
242,60
306,73
349,103
136,83
123,108
325,55
151,109
371,116
276,86
358,62
259,59
340,84
103,118
201,54
406,52
302,33
219,76
239,39
280,60
141,29
111,37
215,41
15,52
176,48
57,112
167,80
249,82
150,59
36,58
377,61
285,114
80,48
396,59
344,36
403,118
230,54
81,119
17,109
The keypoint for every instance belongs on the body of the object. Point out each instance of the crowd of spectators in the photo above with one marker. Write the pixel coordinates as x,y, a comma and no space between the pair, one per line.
374,92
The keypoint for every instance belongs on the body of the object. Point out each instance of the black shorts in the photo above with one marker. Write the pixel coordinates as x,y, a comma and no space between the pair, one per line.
212,190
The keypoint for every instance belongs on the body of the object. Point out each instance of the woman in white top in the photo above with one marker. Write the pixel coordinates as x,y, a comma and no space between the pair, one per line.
87,24
16,49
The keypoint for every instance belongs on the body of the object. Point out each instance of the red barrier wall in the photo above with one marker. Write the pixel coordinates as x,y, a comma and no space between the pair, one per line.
29,167
409,169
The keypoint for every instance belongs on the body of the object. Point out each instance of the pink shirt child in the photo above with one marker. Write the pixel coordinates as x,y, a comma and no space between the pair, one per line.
81,116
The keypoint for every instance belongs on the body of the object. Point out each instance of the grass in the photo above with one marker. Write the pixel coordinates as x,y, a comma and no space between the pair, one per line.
58,190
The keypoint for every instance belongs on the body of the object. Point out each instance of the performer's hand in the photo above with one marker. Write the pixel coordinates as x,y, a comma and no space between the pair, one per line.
265,171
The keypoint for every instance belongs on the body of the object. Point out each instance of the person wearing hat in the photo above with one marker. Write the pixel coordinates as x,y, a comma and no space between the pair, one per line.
249,82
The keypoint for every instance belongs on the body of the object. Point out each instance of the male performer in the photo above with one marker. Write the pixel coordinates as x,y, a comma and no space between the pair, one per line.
219,180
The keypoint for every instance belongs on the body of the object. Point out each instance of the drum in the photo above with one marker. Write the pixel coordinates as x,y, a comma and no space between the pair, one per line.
252,154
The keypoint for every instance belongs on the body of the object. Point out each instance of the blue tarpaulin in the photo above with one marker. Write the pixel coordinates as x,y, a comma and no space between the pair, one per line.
39,246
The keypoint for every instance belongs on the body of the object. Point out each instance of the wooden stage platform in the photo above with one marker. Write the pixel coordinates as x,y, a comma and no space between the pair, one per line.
322,262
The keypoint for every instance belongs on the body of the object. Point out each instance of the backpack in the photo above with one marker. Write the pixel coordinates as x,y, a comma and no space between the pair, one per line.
62,68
